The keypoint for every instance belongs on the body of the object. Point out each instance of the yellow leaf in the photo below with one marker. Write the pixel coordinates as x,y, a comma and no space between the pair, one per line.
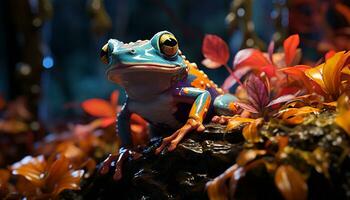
328,74
295,116
332,72
343,108
251,133
290,183
346,70
316,75
343,121
248,155
236,121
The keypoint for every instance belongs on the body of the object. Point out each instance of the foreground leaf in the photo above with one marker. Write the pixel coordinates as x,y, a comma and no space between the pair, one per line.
249,155
235,121
61,176
31,168
251,131
290,183
296,116
48,178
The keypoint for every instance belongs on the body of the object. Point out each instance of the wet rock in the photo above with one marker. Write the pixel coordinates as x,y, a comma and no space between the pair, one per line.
181,174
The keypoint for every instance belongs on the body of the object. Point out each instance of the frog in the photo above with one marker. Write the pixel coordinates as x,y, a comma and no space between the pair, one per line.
163,87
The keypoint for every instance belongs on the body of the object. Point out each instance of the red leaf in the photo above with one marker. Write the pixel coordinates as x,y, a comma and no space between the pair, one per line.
247,107
290,48
250,58
288,90
258,94
281,99
297,73
211,64
98,108
270,70
215,49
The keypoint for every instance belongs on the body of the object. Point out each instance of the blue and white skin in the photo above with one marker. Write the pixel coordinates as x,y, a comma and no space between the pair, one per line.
163,88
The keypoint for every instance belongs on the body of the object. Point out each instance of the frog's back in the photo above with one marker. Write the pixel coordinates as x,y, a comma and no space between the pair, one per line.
198,79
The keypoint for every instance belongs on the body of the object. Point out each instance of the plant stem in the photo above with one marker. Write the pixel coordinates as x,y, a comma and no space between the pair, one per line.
233,75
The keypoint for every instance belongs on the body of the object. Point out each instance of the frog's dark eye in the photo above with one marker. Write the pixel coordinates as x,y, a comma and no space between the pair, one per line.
104,54
168,44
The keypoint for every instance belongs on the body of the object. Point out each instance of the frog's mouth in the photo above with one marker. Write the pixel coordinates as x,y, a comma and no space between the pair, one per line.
148,67
122,71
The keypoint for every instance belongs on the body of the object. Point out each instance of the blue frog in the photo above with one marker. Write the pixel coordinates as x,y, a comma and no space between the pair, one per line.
164,88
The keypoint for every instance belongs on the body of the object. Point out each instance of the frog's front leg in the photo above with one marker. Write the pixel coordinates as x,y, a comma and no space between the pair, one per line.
123,129
198,111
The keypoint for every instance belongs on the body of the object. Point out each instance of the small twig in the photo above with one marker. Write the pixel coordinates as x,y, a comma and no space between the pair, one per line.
233,75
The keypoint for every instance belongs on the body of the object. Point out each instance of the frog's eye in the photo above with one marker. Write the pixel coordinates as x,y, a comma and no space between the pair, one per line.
168,44
104,54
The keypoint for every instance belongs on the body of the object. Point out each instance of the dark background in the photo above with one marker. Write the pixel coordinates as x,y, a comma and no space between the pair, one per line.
62,50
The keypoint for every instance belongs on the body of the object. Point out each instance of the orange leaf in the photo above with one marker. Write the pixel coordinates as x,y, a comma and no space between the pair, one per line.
215,49
332,72
32,168
290,48
251,133
248,155
217,189
107,121
328,74
61,177
296,115
98,108
235,121
290,183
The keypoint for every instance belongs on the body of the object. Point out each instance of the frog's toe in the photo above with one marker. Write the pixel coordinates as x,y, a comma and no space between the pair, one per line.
221,119
173,140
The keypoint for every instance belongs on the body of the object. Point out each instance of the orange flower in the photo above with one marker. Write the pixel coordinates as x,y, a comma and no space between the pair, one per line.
44,178
328,75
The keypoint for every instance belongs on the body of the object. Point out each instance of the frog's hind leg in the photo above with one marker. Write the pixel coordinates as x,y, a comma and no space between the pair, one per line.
225,105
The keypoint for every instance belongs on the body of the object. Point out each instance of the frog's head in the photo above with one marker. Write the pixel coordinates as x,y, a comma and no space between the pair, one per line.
144,66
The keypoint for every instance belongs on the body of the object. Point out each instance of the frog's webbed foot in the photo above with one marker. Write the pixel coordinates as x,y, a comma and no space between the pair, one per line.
221,119
118,159
173,140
